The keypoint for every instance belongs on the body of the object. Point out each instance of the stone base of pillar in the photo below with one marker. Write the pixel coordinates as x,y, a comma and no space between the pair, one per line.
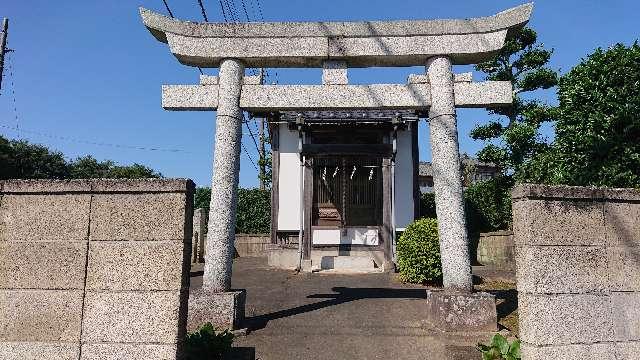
225,310
450,311
307,266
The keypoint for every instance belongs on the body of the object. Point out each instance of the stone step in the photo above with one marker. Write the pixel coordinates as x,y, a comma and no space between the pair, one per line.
348,263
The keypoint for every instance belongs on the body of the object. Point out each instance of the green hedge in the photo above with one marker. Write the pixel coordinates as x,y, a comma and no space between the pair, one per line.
419,252
253,213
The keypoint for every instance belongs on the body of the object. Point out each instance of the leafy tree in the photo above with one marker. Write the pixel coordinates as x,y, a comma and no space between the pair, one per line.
202,198
22,160
253,212
598,128
515,138
88,167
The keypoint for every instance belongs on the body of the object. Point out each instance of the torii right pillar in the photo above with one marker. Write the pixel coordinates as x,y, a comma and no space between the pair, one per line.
456,308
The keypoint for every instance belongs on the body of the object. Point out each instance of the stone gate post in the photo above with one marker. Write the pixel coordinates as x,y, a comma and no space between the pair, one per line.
447,179
224,184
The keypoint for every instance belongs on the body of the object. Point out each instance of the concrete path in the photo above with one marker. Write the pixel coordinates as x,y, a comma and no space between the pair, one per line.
332,316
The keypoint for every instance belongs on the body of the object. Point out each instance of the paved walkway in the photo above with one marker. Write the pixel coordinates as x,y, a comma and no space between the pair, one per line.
331,316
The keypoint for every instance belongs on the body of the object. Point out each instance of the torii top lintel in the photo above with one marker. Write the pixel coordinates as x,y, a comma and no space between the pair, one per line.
360,44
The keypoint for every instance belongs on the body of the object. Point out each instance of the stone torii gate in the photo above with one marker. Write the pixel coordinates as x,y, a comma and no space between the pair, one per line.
335,46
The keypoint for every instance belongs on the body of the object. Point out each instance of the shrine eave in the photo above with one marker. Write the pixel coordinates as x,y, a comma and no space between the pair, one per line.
360,44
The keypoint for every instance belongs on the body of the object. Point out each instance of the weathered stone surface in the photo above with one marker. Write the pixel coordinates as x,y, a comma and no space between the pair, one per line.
555,222
562,269
603,351
40,315
283,258
42,265
44,217
137,265
150,185
623,223
497,249
447,179
276,44
132,317
334,72
550,192
319,97
38,351
224,183
138,217
208,80
565,319
390,50
223,309
624,268
626,315
348,263
459,312
115,351
46,186
190,97
424,78
627,350
199,236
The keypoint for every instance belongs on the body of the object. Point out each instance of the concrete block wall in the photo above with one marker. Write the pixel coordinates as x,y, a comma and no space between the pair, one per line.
578,271
252,245
94,269
496,250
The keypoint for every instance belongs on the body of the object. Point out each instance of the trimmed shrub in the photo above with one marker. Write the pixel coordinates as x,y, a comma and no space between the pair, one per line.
419,252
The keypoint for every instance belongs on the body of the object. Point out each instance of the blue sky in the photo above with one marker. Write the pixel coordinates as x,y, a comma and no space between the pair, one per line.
88,72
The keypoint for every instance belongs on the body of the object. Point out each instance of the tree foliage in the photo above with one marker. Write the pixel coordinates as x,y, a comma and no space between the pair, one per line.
20,159
515,138
253,214
598,124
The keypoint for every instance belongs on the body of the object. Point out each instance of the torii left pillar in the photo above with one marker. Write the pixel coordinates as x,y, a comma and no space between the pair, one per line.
216,302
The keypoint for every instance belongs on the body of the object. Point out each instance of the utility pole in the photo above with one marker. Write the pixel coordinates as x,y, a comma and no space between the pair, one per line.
262,161
3,46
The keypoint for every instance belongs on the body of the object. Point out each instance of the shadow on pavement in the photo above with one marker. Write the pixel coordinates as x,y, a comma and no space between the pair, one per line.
341,296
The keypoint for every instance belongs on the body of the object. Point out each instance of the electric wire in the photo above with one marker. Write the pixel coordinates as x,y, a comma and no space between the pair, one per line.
244,119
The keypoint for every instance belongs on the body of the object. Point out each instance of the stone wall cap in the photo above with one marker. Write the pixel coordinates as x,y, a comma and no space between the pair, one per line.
538,191
497,233
39,186
143,185
45,186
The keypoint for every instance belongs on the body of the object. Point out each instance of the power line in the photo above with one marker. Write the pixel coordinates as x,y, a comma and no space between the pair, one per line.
244,119
76,140
224,13
166,6
249,156
204,13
